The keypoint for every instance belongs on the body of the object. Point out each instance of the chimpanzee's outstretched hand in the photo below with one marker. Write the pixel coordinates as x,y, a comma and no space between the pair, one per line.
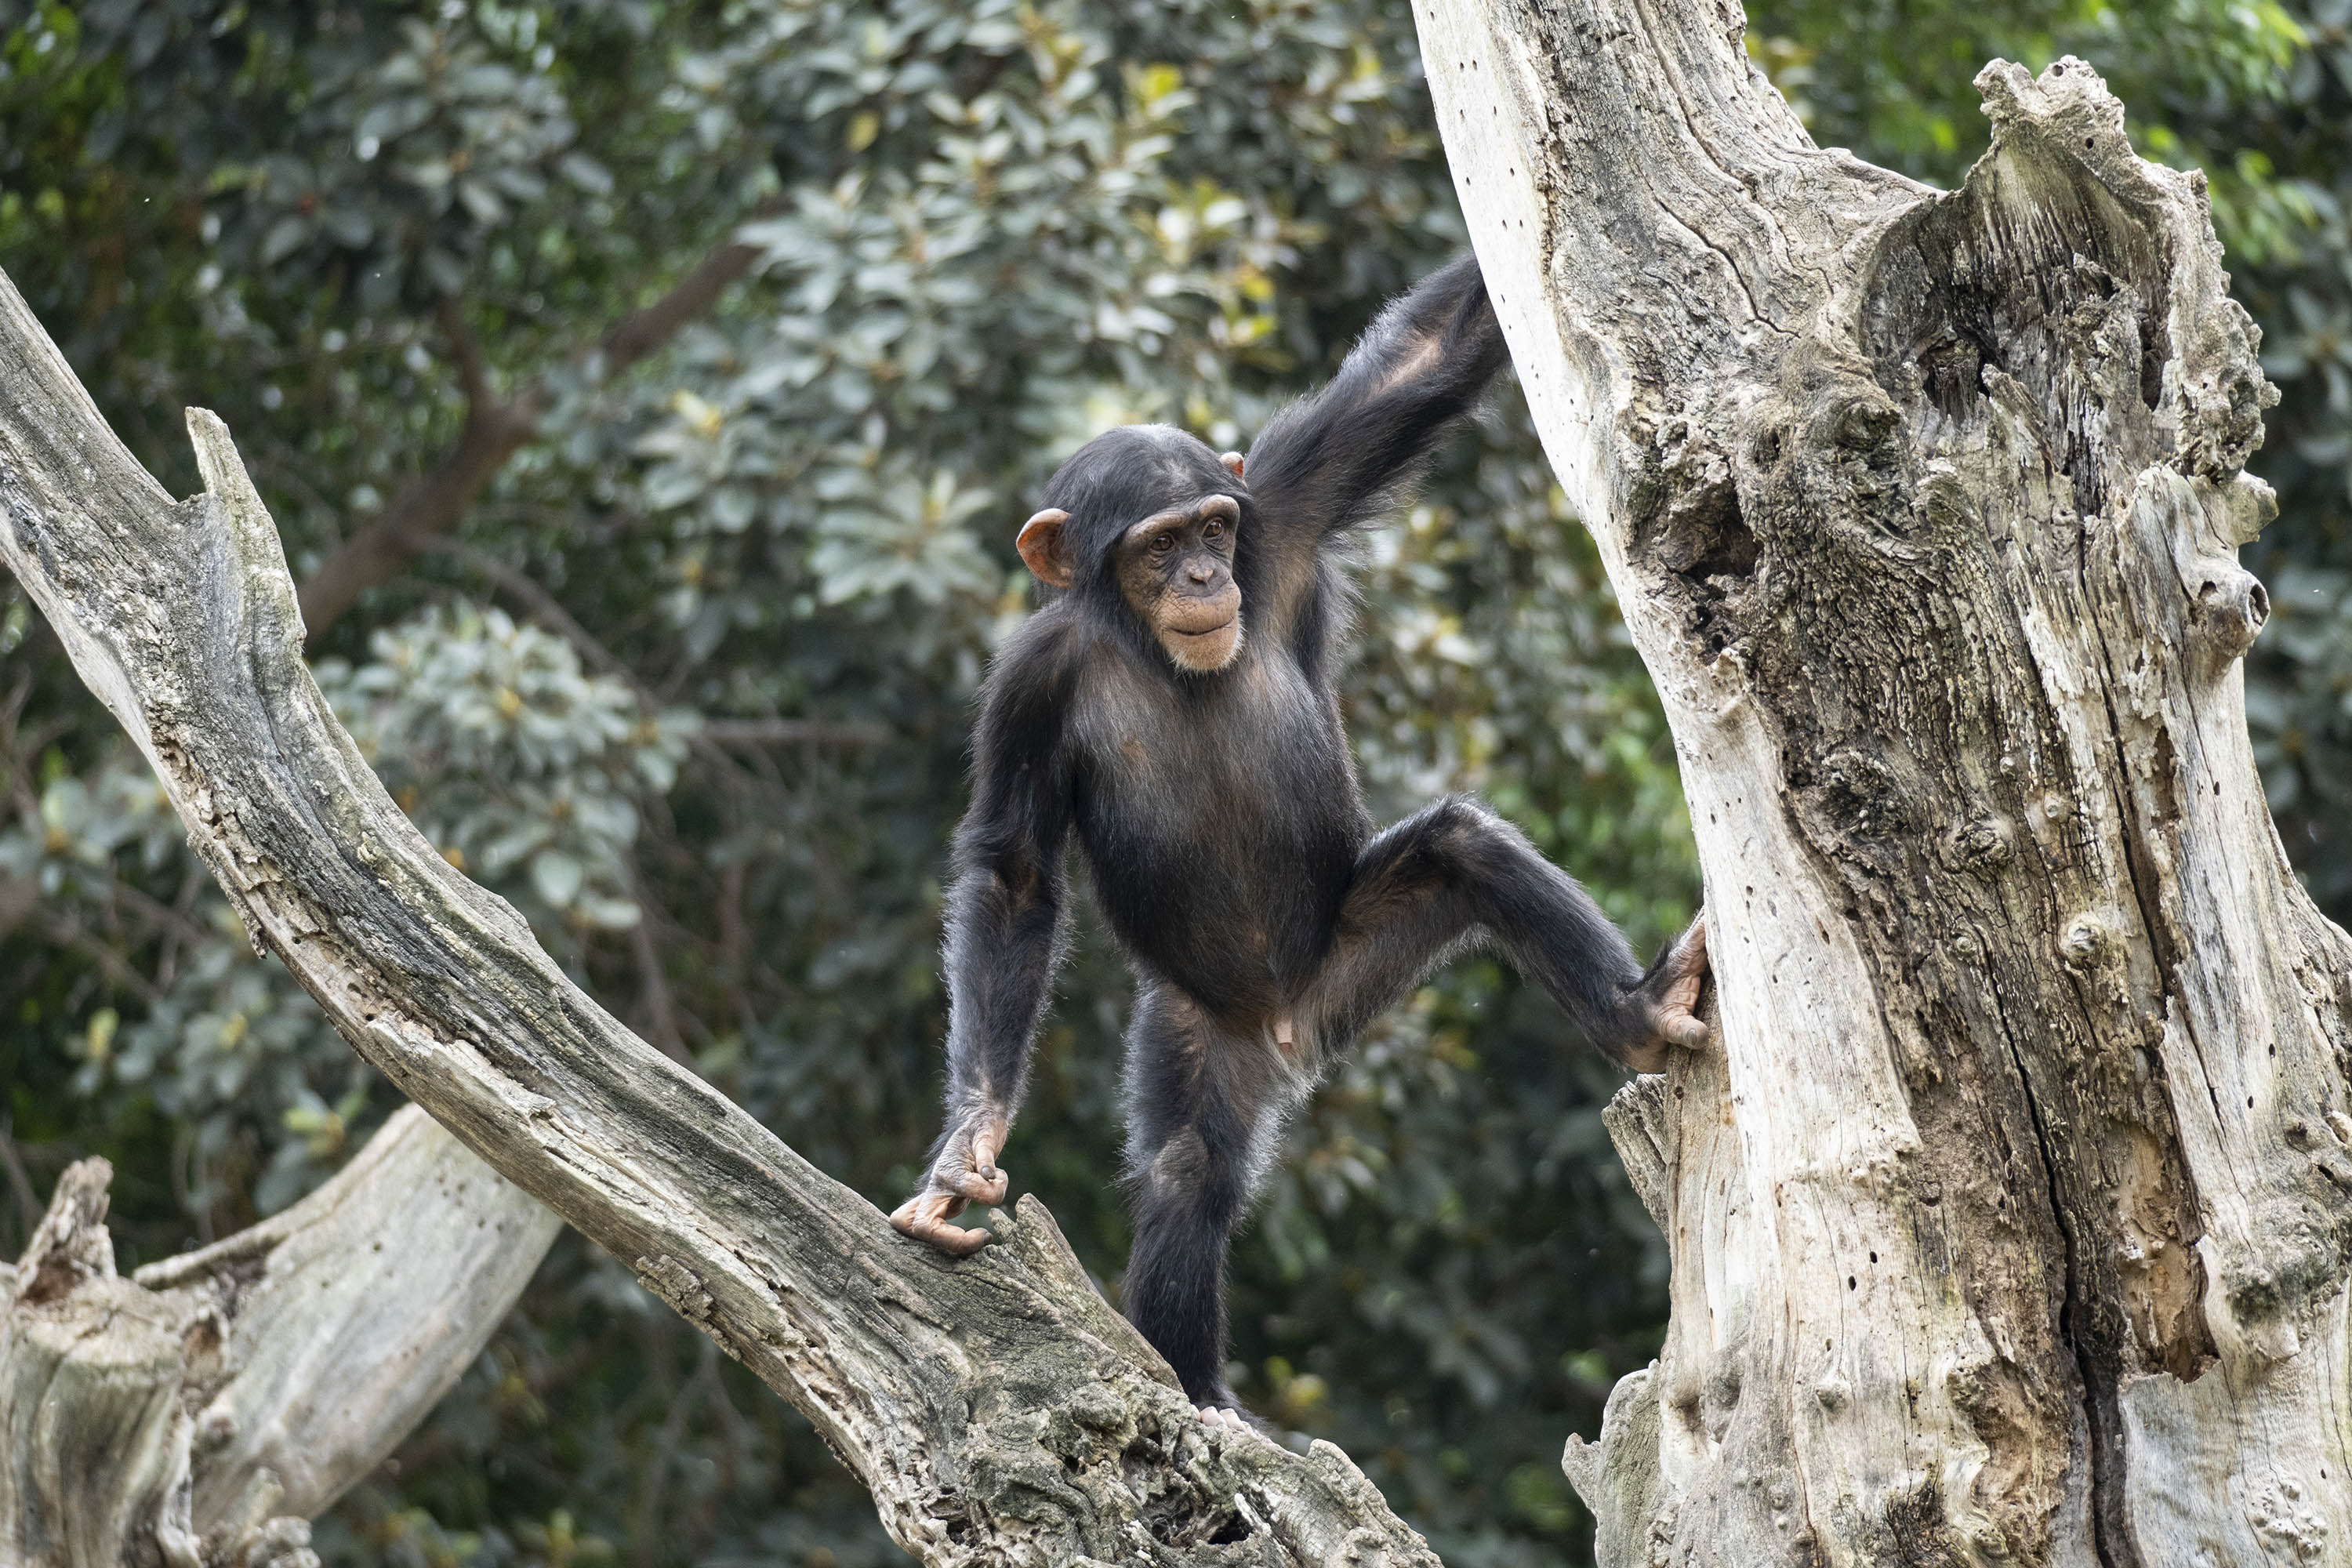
964,1170
1670,994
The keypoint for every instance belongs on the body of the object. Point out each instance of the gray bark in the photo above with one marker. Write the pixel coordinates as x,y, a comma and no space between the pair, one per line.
2010,1224
998,1409
202,1411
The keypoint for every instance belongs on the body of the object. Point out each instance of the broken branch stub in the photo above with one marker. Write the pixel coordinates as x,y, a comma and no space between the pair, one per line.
205,1409
2011,1222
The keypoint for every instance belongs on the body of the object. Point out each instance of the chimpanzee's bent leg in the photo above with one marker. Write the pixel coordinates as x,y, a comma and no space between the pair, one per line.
1203,1109
1450,874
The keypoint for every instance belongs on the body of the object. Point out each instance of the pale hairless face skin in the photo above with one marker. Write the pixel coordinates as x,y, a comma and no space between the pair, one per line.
1176,570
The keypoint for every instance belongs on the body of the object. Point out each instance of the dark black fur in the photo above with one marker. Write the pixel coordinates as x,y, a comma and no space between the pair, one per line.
1229,845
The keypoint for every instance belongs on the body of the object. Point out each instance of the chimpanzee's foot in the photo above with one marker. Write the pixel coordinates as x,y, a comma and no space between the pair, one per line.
1668,1000
1232,1418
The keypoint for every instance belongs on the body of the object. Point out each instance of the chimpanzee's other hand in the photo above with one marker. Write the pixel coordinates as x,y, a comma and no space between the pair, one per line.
1669,999
964,1172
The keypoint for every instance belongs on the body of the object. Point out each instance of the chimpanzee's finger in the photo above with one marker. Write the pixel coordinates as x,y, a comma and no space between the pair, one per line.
1686,971
925,1217
1685,1030
986,1144
982,1186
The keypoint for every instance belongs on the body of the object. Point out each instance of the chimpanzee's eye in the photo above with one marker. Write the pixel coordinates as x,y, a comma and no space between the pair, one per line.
1213,529
1163,544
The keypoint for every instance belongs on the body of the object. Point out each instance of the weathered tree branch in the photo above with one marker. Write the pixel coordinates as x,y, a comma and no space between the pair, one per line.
202,1411
2011,1226
497,428
998,1409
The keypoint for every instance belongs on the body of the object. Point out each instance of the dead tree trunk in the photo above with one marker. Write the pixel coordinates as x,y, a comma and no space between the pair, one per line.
2011,1225
998,1409
203,1411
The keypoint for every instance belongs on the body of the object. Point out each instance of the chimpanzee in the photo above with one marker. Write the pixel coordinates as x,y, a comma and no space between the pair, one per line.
1173,705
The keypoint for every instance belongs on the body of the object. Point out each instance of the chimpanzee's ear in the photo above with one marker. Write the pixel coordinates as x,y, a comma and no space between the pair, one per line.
1233,461
1044,550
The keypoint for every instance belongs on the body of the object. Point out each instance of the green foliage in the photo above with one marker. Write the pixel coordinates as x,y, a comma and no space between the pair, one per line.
987,231
510,759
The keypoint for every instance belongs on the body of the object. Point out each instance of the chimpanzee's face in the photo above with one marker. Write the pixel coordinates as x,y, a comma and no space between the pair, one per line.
1175,569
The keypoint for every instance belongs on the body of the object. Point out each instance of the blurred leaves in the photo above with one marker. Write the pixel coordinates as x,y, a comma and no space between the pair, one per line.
511,759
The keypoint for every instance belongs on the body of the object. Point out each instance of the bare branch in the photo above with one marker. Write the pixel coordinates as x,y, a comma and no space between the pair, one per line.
493,432
473,370
646,331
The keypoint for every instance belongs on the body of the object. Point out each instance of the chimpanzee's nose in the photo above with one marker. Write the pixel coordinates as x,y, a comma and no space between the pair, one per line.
1200,570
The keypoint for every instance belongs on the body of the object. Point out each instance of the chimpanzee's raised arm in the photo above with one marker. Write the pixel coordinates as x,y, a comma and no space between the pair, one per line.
1341,457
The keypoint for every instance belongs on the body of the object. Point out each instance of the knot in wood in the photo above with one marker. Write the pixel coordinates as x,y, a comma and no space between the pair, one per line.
2237,508
1982,844
2231,608
1864,425
1860,795
2089,943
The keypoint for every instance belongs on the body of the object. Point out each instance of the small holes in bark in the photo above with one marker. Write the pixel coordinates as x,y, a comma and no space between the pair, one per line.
1849,1281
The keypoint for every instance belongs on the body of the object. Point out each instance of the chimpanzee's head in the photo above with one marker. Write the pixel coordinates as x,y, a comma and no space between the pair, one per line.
1146,517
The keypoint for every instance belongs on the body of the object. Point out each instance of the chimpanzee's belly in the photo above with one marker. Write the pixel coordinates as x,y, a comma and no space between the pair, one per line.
1222,837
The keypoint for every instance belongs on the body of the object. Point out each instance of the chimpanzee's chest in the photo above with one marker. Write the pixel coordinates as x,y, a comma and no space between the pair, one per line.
1221,819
